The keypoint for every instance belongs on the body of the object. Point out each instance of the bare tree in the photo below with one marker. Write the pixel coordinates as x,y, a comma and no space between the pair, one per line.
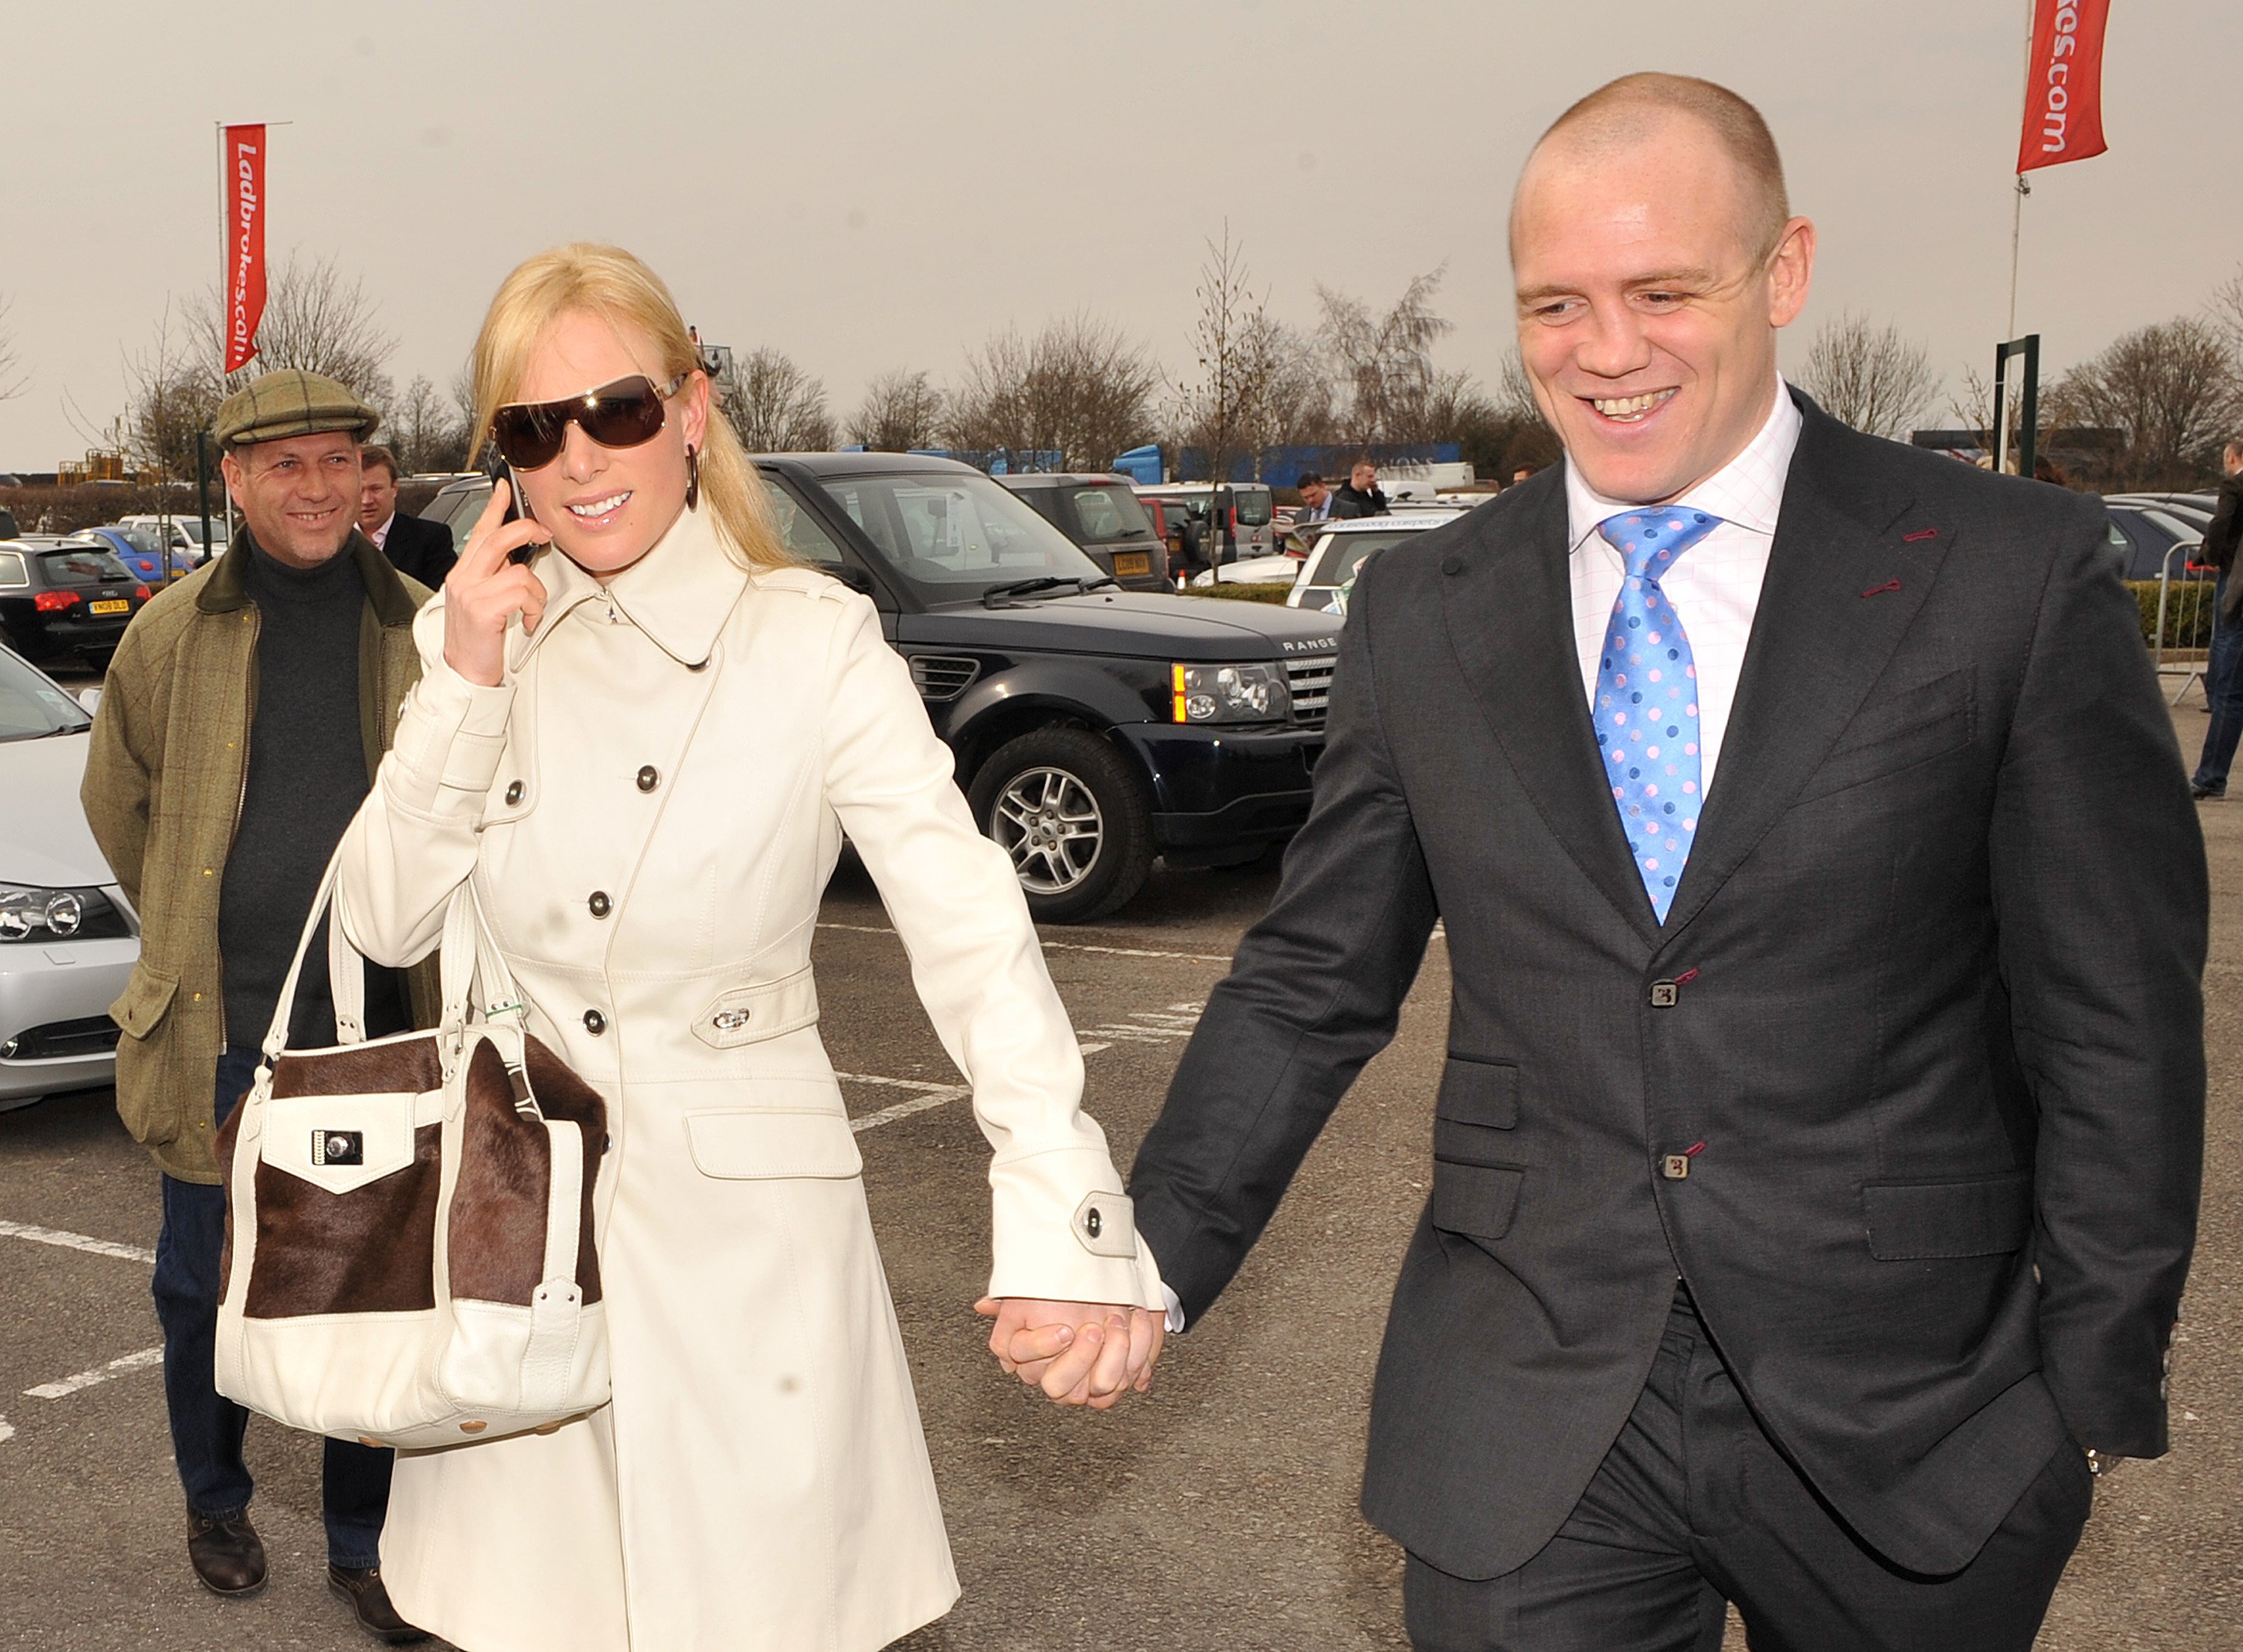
426,431
773,405
1222,409
1868,377
1081,388
173,392
315,318
900,411
1384,361
2227,310
11,379
2170,389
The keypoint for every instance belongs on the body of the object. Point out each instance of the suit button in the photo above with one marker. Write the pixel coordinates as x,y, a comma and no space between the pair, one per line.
595,1023
600,903
1665,995
512,793
648,778
1675,1167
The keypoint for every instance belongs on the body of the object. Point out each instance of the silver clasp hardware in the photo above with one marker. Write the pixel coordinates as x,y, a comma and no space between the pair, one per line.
729,1020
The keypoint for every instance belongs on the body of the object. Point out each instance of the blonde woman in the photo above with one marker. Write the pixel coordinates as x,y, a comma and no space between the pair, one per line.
643,744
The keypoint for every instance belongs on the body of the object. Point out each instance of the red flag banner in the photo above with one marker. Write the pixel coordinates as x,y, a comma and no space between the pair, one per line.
2064,88
245,242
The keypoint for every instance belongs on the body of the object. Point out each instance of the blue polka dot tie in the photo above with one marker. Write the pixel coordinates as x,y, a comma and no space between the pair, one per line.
1647,708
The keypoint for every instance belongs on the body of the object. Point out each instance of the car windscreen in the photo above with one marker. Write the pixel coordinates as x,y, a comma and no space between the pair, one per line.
82,568
1340,555
141,536
1101,514
31,706
1252,505
954,536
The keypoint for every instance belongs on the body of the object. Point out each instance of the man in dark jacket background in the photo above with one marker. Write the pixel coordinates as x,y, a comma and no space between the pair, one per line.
2223,668
420,550
245,715
1361,496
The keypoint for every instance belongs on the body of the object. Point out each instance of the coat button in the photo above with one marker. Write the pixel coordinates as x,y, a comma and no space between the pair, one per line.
595,1023
600,903
512,793
648,778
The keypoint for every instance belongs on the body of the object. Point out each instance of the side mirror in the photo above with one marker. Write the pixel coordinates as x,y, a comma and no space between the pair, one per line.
90,699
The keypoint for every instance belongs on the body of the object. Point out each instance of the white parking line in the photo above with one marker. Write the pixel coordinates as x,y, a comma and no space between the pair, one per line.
77,1242
123,1365
7,1431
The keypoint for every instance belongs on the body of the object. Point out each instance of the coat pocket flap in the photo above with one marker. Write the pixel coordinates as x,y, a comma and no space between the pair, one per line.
757,1144
1476,1201
751,1014
146,996
1922,1221
1476,1090
342,1143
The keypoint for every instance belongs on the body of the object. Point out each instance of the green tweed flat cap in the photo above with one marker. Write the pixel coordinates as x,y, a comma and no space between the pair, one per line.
291,402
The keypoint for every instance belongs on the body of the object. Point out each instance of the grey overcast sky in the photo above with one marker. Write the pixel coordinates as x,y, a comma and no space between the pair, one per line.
876,184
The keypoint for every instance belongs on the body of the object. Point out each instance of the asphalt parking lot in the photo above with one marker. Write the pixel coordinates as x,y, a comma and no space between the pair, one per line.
1215,1513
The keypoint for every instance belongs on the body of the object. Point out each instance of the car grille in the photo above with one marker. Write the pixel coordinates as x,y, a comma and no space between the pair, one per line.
89,1036
1309,680
943,677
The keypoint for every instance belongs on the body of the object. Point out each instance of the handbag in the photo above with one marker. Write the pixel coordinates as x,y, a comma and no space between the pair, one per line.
409,1253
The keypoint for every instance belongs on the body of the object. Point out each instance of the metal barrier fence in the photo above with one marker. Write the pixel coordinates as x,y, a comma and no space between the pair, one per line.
2186,618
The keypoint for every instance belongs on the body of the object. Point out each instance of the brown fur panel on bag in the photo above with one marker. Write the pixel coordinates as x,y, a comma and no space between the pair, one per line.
498,1207
369,1251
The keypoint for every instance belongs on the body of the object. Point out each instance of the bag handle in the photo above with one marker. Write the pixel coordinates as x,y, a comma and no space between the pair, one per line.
471,972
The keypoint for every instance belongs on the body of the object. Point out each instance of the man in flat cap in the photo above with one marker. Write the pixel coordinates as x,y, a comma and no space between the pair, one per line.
244,716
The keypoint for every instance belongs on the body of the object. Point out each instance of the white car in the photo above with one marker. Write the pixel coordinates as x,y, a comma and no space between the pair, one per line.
1328,573
185,531
68,937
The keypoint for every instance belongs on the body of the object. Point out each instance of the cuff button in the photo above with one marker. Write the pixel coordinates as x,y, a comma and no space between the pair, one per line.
512,793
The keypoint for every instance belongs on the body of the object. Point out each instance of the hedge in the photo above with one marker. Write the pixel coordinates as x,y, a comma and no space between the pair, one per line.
1243,593
2188,612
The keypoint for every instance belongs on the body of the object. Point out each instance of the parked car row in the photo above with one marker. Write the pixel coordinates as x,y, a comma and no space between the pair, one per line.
65,601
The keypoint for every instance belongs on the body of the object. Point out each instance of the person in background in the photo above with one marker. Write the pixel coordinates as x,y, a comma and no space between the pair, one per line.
2223,668
245,712
1362,495
420,550
1521,475
1315,499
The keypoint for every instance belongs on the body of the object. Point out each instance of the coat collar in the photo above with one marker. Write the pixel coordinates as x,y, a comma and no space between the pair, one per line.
227,587
680,593
1847,572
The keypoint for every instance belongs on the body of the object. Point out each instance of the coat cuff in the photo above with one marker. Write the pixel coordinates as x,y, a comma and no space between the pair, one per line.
448,743
1066,1232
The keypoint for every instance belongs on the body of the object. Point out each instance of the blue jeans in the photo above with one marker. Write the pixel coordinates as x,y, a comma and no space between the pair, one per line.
207,1426
2222,693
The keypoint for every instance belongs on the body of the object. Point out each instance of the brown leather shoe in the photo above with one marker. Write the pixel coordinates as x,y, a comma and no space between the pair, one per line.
363,1588
227,1557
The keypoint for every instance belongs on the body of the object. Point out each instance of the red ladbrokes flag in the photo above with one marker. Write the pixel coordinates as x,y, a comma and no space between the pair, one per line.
2064,87
245,242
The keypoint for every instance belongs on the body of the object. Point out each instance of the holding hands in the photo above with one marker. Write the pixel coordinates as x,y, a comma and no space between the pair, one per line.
1079,1353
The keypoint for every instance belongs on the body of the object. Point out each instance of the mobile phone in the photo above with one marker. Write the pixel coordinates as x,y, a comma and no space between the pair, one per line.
516,510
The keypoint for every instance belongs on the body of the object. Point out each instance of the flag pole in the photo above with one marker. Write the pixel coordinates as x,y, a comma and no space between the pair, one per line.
2023,189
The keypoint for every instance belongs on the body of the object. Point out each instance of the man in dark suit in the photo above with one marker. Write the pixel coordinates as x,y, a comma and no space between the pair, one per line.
1814,1181
420,550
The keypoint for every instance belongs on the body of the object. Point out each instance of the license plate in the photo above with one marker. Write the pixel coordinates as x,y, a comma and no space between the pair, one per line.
1128,563
119,607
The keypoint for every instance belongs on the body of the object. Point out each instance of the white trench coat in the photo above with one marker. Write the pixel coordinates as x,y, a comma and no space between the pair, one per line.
650,805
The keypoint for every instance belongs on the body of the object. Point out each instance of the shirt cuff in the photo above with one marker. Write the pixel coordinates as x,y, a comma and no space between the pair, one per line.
1176,1306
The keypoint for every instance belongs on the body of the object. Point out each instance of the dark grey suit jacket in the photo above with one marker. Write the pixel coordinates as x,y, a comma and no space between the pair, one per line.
1935,1018
420,549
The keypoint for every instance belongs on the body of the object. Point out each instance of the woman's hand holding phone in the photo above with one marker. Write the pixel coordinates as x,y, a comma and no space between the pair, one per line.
488,587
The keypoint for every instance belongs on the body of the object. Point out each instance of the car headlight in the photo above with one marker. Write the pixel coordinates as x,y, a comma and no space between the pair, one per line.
29,914
1229,692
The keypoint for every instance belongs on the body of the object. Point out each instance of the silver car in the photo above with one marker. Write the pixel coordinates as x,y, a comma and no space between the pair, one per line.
68,938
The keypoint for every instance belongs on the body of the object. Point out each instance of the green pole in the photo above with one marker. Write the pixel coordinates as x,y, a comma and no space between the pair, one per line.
202,485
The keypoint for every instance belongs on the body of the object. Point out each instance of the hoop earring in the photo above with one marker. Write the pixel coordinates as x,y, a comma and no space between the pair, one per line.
692,479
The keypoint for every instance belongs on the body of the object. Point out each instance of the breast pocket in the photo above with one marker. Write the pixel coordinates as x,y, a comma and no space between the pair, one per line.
1475,1183
1899,731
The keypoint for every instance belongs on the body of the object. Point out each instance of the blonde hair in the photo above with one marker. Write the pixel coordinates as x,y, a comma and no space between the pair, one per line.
612,284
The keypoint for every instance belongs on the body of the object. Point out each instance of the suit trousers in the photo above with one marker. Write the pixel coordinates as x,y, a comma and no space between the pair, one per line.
2223,697
207,1426
1694,1506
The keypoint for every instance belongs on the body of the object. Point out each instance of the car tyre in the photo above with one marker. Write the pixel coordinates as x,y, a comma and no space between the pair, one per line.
1073,815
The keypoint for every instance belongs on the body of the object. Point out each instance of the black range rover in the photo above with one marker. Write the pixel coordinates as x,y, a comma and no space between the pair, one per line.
1095,727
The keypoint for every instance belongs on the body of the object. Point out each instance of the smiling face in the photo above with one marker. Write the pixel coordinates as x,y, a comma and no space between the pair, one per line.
299,495
607,506
1648,311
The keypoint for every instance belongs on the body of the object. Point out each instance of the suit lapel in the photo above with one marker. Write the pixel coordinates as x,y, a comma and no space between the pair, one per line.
1839,594
1509,611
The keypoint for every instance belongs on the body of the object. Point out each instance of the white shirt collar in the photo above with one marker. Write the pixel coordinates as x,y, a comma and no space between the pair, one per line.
1748,492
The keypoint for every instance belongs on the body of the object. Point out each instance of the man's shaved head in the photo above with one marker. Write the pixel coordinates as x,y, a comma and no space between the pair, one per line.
1636,108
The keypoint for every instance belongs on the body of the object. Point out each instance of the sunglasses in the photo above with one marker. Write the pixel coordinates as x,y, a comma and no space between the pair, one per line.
626,413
